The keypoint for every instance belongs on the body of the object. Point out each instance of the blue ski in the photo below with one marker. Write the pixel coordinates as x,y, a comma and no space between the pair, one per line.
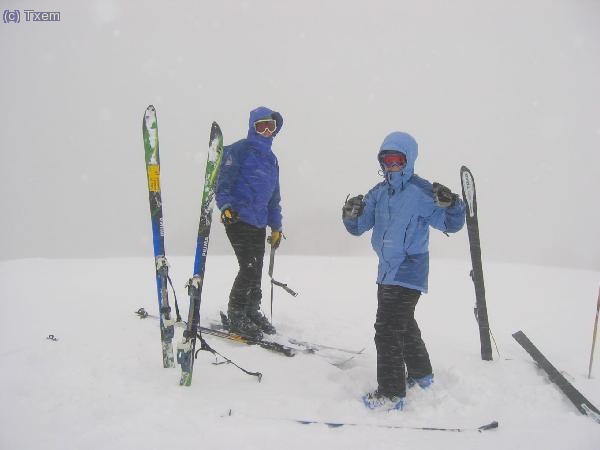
151,150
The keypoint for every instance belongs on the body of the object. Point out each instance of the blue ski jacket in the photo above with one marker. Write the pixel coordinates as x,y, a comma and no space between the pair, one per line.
248,181
400,211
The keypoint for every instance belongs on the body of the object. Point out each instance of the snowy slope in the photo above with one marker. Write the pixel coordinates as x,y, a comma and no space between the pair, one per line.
102,385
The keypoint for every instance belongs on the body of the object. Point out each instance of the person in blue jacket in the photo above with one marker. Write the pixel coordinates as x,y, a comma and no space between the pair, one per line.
400,211
248,197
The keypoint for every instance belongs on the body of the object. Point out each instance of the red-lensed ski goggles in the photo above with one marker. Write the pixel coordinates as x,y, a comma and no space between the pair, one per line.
263,125
394,159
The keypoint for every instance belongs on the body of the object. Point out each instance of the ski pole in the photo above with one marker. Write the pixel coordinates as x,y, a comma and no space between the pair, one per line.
275,282
594,335
271,264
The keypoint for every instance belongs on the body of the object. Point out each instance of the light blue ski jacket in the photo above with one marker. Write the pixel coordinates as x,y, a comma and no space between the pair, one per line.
400,211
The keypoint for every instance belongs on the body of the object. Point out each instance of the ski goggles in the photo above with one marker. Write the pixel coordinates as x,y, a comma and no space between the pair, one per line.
393,160
263,125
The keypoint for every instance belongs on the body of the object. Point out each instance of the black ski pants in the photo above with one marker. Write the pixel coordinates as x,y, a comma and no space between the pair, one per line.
400,348
248,243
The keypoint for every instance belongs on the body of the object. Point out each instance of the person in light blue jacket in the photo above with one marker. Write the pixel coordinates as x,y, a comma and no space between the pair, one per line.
400,211
248,196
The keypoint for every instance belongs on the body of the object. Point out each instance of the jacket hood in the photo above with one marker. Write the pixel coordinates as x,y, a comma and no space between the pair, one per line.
399,141
262,112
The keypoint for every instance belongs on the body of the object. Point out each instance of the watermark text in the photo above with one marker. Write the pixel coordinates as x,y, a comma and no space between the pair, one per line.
29,15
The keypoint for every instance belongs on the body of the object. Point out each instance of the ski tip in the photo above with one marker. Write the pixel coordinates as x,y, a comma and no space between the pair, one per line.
215,134
518,335
317,422
305,422
149,118
490,426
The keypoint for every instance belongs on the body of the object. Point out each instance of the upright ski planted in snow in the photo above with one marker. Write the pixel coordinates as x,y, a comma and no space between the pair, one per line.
186,349
150,135
470,198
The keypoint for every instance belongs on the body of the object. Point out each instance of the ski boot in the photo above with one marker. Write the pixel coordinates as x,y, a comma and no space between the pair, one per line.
423,382
241,324
259,319
374,400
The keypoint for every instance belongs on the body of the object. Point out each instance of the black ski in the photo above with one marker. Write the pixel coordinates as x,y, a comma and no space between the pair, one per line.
267,345
276,347
490,426
307,347
584,406
470,198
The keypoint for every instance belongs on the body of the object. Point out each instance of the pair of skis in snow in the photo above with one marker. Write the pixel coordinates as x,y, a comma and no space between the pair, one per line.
186,348
583,405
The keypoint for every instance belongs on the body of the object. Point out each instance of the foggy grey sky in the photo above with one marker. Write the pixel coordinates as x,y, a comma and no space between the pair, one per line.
509,88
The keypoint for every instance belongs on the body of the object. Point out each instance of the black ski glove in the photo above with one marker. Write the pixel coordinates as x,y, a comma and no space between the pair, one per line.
229,216
442,196
353,207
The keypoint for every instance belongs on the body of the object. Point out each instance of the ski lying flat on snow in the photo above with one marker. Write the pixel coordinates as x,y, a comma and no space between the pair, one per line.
267,345
340,363
490,426
309,347
584,406
312,345
151,151
470,198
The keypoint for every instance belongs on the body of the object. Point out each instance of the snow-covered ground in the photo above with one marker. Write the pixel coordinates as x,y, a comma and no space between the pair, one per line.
101,385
